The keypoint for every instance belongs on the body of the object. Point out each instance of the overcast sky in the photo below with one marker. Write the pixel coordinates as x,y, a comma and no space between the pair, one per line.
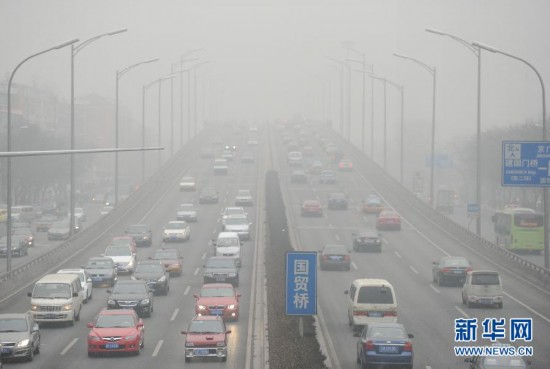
269,56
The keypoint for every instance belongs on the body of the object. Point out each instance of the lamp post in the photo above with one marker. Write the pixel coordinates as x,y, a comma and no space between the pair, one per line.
342,98
432,71
75,49
544,138
159,120
119,75
8,137
184,60
194,68
476,51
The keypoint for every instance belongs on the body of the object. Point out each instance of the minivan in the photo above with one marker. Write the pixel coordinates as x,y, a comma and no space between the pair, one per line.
56,298
482,287
371,300
228,244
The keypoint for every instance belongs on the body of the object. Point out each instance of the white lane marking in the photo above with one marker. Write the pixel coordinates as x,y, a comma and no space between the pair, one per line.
157,348
215,231
203,256
433,288
385,241
428,367
397,254
354,265
68,347
174,314
414,270
337,237
196,271
187,290
462,312
528,308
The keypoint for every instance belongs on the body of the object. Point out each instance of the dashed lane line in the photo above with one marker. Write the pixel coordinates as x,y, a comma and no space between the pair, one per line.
433,288
187,290
464,314
174,314
157,348
68,347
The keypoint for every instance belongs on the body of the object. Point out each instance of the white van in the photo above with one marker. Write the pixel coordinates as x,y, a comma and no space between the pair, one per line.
482,287
57,298
371,300
228,244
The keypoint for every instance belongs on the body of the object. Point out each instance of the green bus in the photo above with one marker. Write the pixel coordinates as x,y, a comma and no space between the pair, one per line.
519,230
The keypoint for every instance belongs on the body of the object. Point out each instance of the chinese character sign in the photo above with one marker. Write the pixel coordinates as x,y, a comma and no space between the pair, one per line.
301,283
526,163
493,329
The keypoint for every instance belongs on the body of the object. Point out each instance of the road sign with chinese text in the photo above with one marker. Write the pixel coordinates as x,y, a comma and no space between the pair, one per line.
301,283
526,163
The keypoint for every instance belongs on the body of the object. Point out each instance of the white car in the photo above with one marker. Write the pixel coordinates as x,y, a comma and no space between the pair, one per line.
187,212
243,198
228,244
219,166
85,281
106,210
176,231
188,184
79,214
239,224
123,256
232,210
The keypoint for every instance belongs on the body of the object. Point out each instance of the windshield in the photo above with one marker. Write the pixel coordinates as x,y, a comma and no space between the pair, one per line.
149,268
236,221
227,242
375,295
528,220
387,333
115,321
13,325
220,263
163,255
177,225
118,251
206,326
485,279
99,264
231,211
217,292
78,273
130,288
456,262
335,249
52,290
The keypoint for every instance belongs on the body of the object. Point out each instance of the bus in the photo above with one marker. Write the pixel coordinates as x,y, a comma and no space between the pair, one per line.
519,230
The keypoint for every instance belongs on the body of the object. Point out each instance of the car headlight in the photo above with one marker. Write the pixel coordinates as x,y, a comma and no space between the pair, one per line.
189,344
131,262
145,238
231,307
220,344
93,338
145,302
68,307
162,279
201,307
34,307
130,338
111,302
23,343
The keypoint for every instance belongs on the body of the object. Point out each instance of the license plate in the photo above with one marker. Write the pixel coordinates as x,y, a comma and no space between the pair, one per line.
111,346
216,312
457,271
375,313
335,258
97,279
220,279
200,351
486,301
388,349
6,350
49,316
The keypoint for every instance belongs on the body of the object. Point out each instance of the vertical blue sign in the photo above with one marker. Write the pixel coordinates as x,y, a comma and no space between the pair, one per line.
301,283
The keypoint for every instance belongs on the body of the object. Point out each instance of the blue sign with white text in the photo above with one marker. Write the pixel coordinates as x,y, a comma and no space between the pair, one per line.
526,163
301,283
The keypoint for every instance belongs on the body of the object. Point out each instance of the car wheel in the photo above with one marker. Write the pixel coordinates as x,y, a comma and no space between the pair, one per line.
463,300
439,281
224,359
30,355
77,316
469,304
187,359
138,351
434,280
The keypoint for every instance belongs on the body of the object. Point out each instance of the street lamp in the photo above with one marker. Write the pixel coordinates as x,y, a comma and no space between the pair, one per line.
184,60
432,71
75,49
194,68
119,75
159,120
544,138
342,75
8,137
180,72
476,51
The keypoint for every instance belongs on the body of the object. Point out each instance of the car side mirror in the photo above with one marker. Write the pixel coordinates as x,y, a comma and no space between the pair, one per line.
108,291
239,295
90,325
36,327
195,295
183,332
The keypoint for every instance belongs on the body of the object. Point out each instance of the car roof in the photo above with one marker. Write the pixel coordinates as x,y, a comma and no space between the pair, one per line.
385,324
217,285
151,262
207,317
117,312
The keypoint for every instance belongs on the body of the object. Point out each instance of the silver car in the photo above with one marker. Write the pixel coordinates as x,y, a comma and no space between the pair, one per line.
19,336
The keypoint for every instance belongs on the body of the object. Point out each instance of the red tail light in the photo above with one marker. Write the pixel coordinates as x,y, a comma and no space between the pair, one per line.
346,257
445,270
325,257
390,313
408,346
369,346
469,269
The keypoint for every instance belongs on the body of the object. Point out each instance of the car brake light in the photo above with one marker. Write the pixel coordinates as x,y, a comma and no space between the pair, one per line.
408,346
325,257
368,345
390,313
469,269
346,257
360,313
445,270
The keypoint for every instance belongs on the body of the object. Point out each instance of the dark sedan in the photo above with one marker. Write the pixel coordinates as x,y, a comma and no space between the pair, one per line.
337,201
384,344
129,294
451,270
141,234
19,246
327,176
367,240
154,274
334,257
221,269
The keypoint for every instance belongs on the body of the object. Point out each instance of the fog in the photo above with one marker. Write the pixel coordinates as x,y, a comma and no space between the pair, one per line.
268,59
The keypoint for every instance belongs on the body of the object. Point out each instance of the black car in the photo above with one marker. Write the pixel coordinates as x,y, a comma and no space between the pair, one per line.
154,274
102,270
367,240
221,269
208,195
141,234
495,362
337,201
451,270
334,257
131,294
19,336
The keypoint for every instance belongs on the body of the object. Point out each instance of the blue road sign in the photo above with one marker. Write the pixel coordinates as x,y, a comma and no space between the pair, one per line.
526,163
473,210
301,283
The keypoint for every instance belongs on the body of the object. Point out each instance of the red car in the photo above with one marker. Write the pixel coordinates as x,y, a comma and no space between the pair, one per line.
206,336
312,207
388,219
125,240
345,165
116,331
219,299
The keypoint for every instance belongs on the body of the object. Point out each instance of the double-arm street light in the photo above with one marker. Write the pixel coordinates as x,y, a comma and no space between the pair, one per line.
476,51
194,68
8,137
119,74
544,138
75,49
432,71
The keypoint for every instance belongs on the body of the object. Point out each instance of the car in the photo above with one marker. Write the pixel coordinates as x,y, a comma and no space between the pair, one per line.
239,224
171,260
79,213
102,270
85,281
295,158
19,336
208,195
345,165
131,294
218,299
227,155
316,167
232,210
221,269
26,234
298,176
337,201
154,273
44,222
312,208
206,336
482,287
187,212
123,256
388,220
231,148
252,141
384,344
307,150
125,241
450,270
327,176
142,235
370,300
228,244
497,362
372,204
19,246
120,331
176,231
334,257
247,158
243,198
220,166
106,210
367,240
188,184
60,230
